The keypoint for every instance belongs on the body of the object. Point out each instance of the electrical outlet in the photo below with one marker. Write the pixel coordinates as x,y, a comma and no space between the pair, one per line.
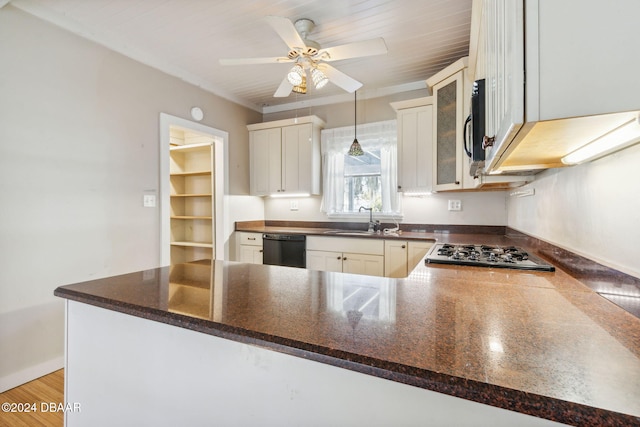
149,200
293,205
455,205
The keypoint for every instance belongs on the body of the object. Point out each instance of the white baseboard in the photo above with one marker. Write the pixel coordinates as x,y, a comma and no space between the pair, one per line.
18,378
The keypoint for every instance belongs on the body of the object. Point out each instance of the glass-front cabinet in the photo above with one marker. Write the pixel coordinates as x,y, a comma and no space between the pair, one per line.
448,96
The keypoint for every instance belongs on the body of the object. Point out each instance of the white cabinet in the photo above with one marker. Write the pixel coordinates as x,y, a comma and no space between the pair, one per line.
578,85
395,258
451,167
285,156
451,99
346,262
347,255
415,144
401,257
250,247
417,251
373,257
266,161
324,260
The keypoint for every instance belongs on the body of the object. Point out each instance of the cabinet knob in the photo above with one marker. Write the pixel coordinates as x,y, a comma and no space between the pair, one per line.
404,246
339,257
260,250
488,141
457,183
344,259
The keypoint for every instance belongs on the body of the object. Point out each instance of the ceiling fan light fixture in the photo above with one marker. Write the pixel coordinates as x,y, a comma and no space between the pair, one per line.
320,79
295,75
302,87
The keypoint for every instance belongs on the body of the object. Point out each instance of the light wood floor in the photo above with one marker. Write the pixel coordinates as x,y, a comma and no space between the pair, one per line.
44,390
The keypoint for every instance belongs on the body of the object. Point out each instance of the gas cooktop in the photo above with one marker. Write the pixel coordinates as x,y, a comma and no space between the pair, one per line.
486,256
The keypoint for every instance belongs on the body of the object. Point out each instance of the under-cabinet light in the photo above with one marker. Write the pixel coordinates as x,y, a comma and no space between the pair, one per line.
617,139
282,195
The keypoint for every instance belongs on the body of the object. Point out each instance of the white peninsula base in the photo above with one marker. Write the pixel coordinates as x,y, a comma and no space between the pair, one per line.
128,371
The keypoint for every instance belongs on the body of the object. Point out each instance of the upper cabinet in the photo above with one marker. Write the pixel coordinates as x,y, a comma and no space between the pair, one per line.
415,144
285,156
450,95
451,168
577,56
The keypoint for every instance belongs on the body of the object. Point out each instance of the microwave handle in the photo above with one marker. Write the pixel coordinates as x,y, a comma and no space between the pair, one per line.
465,136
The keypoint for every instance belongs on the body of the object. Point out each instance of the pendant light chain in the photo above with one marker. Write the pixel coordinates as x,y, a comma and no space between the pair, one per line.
355,149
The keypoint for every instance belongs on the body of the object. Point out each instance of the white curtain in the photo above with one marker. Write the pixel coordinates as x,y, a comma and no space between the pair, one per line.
335,145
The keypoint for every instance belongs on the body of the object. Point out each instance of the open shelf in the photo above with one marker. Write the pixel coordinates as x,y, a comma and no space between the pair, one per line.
191,199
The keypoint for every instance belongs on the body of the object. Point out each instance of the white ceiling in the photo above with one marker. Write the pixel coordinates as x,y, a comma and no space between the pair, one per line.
186,38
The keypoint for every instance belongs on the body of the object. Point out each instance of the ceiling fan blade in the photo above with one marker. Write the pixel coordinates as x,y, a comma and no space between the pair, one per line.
284,89
354,50
287,31
339,78
253,61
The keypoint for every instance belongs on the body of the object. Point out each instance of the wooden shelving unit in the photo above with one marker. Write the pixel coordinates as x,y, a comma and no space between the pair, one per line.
192,210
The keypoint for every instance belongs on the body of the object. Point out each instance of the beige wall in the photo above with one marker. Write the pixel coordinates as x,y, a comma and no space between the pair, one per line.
591,209
79,140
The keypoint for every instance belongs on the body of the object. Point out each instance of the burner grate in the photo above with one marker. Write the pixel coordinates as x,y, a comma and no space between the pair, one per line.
486,256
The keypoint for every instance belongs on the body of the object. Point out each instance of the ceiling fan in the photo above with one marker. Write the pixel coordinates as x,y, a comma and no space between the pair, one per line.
309,58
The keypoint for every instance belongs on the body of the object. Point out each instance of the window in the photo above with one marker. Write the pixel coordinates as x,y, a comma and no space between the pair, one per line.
362,184
368,180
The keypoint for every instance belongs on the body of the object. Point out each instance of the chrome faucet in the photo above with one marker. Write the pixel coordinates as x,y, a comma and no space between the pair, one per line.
372,225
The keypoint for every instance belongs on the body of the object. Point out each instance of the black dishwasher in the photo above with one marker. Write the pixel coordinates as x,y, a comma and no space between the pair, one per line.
284,249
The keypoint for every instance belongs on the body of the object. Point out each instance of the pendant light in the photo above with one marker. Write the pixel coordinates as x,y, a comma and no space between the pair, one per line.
355,149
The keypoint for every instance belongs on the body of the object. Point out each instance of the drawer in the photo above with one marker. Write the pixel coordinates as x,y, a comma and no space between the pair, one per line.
251,239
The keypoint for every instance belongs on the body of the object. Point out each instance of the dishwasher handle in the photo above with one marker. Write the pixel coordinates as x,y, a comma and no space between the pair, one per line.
285,237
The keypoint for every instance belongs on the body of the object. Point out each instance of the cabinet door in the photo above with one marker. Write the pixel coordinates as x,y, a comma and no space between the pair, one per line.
416,252
251,254
324,260
266,161
371,265
504,69
296,158
415,148
447,155
395,258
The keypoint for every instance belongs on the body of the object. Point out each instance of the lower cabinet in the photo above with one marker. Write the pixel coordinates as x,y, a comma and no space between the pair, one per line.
357,256
401,257
373,257
249,247
346,262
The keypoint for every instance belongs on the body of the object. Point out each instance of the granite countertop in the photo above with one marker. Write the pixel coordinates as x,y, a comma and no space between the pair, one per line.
408,232
540,343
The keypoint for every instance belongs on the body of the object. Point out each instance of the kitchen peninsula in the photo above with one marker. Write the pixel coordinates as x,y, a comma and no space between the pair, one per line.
249,344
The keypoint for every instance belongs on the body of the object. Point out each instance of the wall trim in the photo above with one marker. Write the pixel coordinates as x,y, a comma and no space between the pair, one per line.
31,373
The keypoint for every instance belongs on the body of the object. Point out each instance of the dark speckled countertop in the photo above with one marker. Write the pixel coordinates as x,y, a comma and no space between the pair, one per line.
540,343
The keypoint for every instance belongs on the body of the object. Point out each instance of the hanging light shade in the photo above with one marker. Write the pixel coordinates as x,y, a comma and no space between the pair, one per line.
295,75
320,80
302,87
355,149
